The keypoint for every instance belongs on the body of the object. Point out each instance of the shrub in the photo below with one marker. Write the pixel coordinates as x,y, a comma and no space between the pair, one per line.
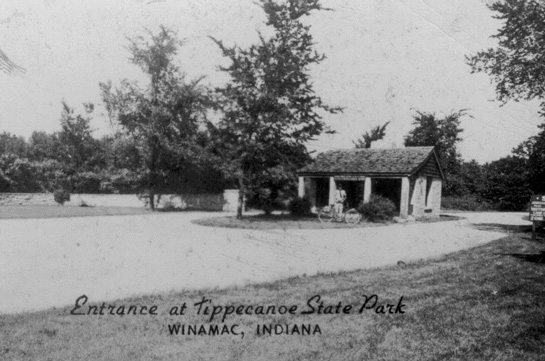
467,202
61,196
86,182
123,181
299,206
378,209
21,174
168,206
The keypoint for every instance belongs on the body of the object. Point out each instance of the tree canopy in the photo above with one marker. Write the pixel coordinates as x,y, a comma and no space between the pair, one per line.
77,146
163,118
270,109
444,135
517,67
367,138
517,64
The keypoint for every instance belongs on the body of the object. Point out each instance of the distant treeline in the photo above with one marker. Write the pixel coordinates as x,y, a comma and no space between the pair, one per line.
504,184
74,160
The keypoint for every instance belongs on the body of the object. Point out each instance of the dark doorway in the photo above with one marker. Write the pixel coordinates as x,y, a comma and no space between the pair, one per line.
354,192
322,192
388,188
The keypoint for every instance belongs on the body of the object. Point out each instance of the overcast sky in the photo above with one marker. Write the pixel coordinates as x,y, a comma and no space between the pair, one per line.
385,60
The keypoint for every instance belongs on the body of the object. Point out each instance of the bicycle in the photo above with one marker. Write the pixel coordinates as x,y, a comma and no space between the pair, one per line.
328,214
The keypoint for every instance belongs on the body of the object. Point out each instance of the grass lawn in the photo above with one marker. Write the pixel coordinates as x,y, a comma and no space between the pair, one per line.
486,303
35,211
287,221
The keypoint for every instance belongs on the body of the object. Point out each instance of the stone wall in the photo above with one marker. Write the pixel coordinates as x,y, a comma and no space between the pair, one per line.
418,200
214,202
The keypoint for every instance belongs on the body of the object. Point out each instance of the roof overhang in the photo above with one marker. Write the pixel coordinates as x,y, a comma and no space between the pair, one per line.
351,176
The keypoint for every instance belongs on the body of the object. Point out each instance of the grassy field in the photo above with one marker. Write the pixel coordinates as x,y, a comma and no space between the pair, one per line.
485,303
34,211
287,221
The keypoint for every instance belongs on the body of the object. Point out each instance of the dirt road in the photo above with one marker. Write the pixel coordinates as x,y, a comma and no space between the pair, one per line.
50,262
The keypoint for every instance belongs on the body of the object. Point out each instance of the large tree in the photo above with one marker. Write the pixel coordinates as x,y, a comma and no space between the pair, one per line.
517,64
517,67
162,118
270,109
444,135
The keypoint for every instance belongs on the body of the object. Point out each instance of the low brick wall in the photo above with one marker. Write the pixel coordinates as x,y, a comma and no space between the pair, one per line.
213,202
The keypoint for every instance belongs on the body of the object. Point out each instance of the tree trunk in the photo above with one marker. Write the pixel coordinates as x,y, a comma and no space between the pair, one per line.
240,204
267,206
152,180
151,198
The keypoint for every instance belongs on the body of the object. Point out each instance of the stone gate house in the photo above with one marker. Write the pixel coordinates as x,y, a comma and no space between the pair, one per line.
411,177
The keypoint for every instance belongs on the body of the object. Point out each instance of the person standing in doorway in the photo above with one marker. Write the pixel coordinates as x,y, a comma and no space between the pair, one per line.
340,197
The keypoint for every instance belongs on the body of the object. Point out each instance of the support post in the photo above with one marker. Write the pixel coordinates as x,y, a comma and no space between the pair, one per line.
367,190
301,190
404,204
332,189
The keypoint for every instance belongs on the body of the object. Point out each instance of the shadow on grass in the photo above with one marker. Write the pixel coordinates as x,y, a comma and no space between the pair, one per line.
538,258
441,218
504,227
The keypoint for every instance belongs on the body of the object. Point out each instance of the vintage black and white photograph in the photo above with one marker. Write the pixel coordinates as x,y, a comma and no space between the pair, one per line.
272,180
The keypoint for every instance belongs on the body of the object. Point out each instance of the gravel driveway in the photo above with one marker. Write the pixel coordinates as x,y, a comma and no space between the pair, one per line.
51,262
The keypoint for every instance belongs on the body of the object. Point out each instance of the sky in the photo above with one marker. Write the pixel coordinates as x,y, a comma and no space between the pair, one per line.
386,60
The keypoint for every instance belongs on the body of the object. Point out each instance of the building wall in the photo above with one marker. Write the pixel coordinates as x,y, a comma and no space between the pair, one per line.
436,191
418,201
431,168
418,197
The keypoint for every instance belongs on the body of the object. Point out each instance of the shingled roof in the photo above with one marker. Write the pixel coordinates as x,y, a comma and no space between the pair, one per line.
371,162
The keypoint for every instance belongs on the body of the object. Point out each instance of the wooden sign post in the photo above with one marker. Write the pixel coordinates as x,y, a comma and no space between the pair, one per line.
537,211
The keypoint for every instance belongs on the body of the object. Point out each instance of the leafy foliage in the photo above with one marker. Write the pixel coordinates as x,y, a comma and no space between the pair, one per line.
269,107
535,158
443,134
12,144
378,209
61,196
467,202
9,67
19,174
162,119
507,183
300,206
76,145
517,65
376,133
43,146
